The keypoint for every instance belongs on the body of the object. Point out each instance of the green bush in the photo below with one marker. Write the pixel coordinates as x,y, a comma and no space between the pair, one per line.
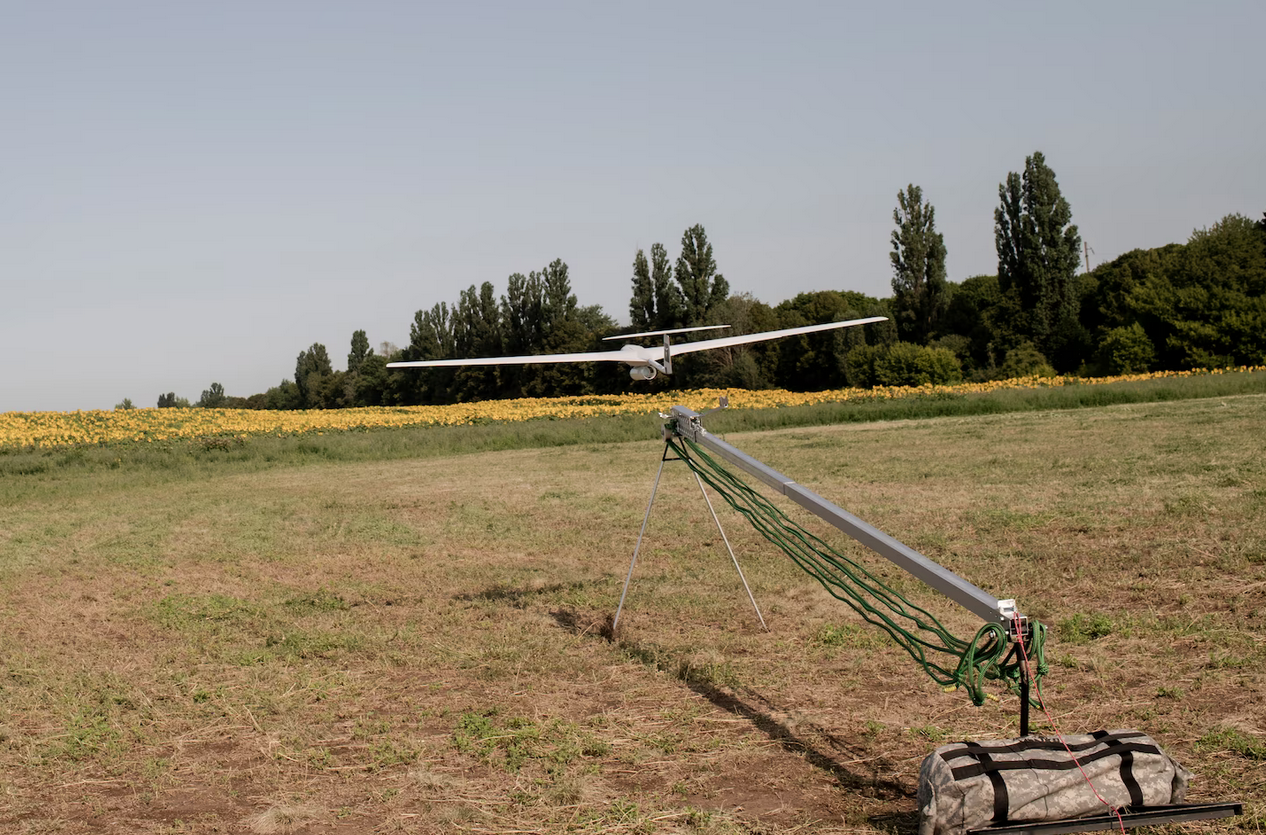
1127,350
901,364
859,366
1025,360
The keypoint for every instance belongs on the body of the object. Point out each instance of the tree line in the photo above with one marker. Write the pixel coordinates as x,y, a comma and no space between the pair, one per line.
1199,304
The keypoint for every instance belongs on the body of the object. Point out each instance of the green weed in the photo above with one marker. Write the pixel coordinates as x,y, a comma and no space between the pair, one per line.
1233,741
513,742
321,600
852,636
1082,629
930,732
201,613
87,734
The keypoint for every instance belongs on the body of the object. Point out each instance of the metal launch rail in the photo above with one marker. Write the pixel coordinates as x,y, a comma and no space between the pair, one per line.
686,424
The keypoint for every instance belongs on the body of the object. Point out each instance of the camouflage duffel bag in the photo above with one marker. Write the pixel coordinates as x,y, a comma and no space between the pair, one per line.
970,785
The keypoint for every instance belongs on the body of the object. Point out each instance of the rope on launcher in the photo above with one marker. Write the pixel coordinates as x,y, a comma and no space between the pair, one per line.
1037,689
948,660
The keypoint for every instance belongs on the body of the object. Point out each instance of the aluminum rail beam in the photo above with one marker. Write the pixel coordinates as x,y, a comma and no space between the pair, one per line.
970,597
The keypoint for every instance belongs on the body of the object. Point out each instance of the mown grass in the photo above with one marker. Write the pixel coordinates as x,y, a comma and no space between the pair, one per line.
371,640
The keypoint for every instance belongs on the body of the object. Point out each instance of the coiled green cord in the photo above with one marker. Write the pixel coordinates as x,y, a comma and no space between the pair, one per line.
946,659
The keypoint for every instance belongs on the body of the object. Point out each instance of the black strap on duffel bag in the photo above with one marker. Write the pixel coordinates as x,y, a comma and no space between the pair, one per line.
973,785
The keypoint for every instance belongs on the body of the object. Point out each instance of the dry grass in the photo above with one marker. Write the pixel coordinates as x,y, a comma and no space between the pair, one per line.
418,646
282,820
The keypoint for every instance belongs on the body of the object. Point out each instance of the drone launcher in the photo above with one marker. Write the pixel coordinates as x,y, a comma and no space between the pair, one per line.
1002,787
947,659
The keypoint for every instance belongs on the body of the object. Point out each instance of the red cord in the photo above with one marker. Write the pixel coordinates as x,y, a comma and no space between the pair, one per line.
1038,688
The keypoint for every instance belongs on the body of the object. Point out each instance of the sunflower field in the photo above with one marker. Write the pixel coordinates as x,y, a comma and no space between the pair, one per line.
44,430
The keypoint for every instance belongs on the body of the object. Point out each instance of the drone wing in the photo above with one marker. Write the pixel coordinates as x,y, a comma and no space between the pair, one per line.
637,355
730,341
668,332
632,357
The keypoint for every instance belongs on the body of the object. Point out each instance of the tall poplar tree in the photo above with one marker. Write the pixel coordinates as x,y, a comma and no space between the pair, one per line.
669,304
1039,250
521,312
430,338
702,287
656,303
477,322
540,316
431,334
312,370
642,302
477,333
360,350
920,291
559,326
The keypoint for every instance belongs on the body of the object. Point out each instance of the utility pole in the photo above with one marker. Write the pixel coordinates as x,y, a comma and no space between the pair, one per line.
1088,250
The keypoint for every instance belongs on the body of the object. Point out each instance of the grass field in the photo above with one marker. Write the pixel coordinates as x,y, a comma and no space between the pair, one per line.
362,635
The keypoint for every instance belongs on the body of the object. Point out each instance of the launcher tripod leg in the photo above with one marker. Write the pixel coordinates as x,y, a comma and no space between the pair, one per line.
664,459
733,558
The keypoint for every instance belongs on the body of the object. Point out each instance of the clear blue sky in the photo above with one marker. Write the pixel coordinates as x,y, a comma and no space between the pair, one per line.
196,192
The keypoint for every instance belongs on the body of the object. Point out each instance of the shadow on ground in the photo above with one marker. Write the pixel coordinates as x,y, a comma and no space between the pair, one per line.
819,747
897,823
521,598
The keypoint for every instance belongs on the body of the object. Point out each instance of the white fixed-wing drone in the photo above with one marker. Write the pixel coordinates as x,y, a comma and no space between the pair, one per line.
644,362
